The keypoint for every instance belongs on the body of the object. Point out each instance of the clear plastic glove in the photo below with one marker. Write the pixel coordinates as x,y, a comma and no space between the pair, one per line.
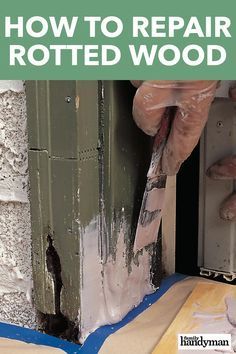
192,99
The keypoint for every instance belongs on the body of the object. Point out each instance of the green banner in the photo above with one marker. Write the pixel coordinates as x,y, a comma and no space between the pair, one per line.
118,40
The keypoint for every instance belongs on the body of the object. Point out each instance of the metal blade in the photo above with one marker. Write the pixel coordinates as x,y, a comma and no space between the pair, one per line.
150,213
154,194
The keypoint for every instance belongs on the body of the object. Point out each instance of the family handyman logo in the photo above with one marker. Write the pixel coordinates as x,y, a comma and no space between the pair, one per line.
203,341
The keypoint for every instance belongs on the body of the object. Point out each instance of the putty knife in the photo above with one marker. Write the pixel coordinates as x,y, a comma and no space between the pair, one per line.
153,198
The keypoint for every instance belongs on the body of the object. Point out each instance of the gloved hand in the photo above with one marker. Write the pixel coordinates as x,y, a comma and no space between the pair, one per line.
192,99
225,169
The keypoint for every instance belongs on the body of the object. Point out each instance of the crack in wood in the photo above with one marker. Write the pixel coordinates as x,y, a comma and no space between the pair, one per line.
57,324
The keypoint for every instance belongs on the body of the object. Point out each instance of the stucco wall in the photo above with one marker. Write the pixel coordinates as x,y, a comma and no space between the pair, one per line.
15,245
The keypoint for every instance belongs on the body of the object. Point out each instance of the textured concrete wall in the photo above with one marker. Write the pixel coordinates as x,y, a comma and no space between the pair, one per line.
15,245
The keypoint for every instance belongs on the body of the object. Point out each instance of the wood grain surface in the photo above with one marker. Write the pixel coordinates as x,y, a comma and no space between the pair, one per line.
208,301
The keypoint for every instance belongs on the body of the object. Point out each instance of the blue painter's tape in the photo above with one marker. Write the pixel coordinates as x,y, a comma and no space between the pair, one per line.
94,342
